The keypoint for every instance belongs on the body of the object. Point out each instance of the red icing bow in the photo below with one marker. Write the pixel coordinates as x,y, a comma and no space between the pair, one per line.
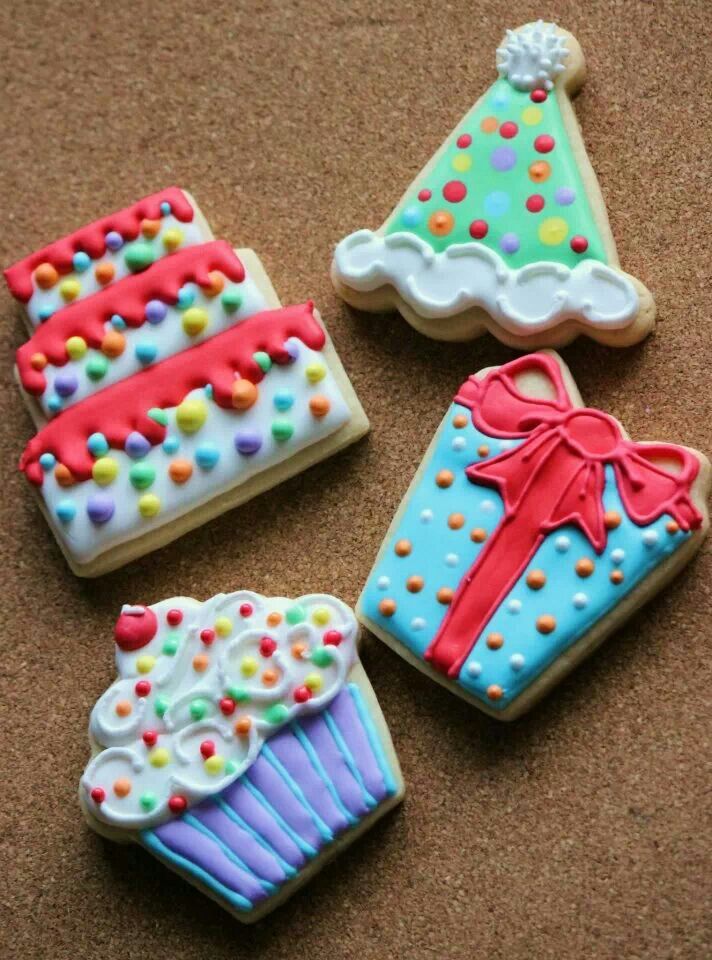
554,477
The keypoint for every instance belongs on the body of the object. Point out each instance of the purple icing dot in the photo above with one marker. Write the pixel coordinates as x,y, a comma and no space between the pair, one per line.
66,384
137,445
503,158
114,240
565,196
247,441
509,243
292,349
100,507
156,311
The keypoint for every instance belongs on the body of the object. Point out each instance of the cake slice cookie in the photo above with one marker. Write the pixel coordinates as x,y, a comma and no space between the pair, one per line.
242,744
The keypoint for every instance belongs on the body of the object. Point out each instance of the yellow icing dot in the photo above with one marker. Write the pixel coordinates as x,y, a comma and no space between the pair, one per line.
248,667
223,626
553,230
313,681
461,162
149,505
172,239
191,415
70,289
145,663
315,372
105,471
159,757
76,347
531,116
321,616
195,320
214,764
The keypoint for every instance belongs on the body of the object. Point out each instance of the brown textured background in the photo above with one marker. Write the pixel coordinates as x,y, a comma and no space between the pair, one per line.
580,832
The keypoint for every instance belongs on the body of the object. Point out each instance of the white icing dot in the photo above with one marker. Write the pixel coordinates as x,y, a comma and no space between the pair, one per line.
417,623
580,601
459,443
452,559
506,444
514,606
618,556
516,661
426,516
474,669
384,583
562,544
650,537
487,506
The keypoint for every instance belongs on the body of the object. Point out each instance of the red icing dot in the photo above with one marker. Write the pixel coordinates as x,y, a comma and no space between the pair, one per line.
535,203
207,748
579,244
454,191
464,140
98,794
143,688
149,737
302,694
227,706
333,638
177,804
136,628
267,646
508,130
544,143
538,95
174,617
245,609
424,195
207,636
478,229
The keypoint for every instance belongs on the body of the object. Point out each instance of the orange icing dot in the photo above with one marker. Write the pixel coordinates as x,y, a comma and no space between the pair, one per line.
38,361
539,171
415,584
46,276
445,595
123,708
536,579
319,405
495,692
611,519
403,548
63,475
478,535
456,521
180,471
104,272
270,677
242,726
299,649
201,662
244,394
216,285
445,478
387,607
617,576
546,623
585,567
495,641
489,125
672,526
274,618
122,787
483,450
441,223
459,421
113,344
150,228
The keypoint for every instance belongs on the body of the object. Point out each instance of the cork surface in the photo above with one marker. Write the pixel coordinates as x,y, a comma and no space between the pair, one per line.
580,830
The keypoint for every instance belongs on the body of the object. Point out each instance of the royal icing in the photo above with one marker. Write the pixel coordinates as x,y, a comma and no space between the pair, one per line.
532,520
501,220
95,256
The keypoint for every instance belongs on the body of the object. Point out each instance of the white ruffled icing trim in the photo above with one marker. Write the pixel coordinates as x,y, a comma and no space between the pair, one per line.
530,300
532,56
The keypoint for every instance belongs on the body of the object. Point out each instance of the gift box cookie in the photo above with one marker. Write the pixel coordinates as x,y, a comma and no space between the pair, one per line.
242,744
172,395
533,527
505,229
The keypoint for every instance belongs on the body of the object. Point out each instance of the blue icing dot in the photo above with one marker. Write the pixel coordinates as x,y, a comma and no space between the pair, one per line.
81,261
171,445
97,445
44,313
208,391
54,404
207,455
118,322
47,461
146,352
497,203
165,208
411,216
186,296
283,400
65,511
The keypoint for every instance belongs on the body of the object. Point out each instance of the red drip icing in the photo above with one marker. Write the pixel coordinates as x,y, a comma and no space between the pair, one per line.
122,408
555,477
92,238
128,298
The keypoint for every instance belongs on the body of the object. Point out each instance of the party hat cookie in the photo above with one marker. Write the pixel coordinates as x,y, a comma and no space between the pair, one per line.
505,229
242,744
166,381
532,529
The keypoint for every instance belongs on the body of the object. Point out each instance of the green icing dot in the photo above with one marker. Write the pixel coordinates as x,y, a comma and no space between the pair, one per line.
321,657
282,430
97,366
170,647
198,709
160,416
148,801
139,255
295,614
277,713
160,706
238,694
262,360
231,300
230,767
142,475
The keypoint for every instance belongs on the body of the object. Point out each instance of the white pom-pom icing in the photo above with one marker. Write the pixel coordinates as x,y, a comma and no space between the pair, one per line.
532,56
232,672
